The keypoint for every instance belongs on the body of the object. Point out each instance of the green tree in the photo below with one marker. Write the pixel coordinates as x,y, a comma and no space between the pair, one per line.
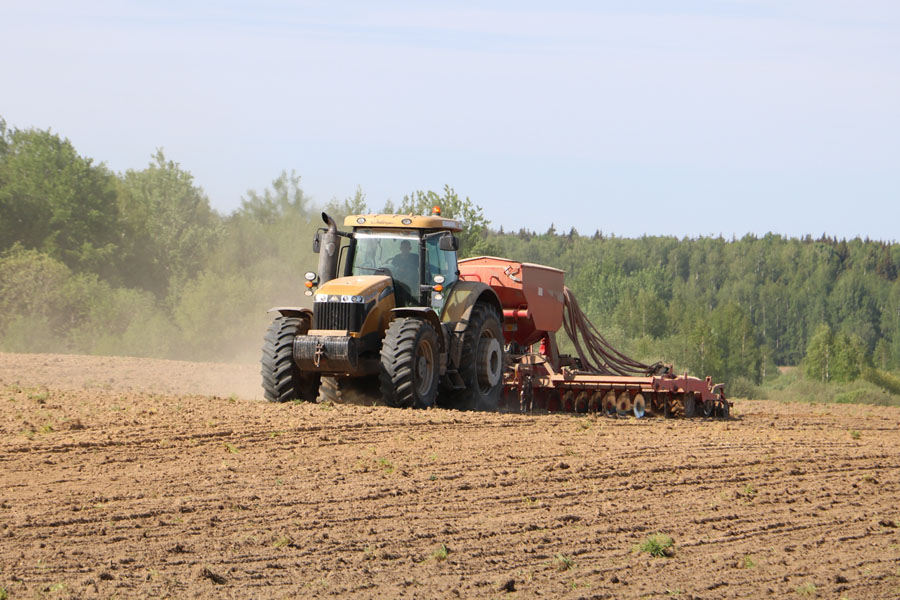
168,225
353,205
849,357
54,200
819,360
473,238
284,199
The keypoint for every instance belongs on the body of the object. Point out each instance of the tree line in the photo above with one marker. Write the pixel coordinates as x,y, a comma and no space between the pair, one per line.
140,263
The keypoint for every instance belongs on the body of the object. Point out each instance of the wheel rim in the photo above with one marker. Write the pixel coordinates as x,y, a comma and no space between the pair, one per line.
423,372
490,363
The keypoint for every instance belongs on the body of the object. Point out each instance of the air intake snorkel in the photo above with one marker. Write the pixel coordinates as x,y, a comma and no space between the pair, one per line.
327,244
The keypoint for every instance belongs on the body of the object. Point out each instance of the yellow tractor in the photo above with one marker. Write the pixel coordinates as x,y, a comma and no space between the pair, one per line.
397,325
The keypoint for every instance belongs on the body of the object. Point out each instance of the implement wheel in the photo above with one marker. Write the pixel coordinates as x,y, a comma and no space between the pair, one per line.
283,381
409,363
723,409
690,405
481,362
709,408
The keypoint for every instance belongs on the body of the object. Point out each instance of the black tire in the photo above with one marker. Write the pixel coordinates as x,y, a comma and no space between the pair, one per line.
410,360
690,405
481,362
709,408
282,380
723,409
330,390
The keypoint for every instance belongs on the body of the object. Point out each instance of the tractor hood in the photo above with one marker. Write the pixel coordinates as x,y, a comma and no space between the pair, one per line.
357,289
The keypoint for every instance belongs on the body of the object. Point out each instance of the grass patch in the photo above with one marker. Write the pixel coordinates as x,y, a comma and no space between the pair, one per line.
282,542
855,434
748,563
882,379
440,553
794,387
561,562
385,464
231,448
4,595
807,589
657,545
39,397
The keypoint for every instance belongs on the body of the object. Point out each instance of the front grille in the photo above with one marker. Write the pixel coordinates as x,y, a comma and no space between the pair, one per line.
337,315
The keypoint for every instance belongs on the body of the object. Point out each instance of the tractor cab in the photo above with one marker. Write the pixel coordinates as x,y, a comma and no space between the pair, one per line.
418,253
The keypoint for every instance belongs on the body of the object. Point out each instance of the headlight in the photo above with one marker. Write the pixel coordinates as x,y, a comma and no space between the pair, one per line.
310,276
321,297
357,299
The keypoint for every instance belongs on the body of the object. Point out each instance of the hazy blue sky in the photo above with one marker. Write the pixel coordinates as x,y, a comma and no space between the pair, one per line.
659,117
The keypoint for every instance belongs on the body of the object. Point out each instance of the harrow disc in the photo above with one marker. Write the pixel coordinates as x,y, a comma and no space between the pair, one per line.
609,403
639,407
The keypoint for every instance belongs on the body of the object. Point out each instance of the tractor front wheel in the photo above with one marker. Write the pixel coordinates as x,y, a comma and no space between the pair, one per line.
409,363
283,381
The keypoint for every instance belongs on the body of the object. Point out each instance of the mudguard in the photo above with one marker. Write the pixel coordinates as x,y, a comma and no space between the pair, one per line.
291,311
462,298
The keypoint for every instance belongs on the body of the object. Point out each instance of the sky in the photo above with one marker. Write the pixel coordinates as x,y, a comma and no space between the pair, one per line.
656,117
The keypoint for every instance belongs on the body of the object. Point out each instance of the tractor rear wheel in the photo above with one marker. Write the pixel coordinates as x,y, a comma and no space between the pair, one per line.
283,381
480,363
409,363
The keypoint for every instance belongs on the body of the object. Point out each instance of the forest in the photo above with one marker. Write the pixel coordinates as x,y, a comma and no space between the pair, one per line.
139,263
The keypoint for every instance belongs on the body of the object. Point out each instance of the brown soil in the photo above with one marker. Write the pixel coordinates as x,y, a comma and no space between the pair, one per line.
142,478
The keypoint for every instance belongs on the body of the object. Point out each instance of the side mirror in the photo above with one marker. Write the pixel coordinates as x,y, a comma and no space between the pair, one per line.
317,242
448,242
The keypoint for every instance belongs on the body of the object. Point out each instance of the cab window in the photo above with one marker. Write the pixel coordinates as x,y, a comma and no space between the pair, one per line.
439,262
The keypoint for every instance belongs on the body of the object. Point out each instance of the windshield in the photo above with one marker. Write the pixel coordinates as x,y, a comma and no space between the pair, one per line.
390,252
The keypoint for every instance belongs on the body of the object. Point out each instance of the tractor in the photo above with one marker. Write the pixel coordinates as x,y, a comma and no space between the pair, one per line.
391,320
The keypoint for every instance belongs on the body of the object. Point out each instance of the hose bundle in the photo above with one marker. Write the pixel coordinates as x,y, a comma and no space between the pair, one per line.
596,354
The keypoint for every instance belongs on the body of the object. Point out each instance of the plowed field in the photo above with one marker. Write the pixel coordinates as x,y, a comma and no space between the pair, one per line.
143,478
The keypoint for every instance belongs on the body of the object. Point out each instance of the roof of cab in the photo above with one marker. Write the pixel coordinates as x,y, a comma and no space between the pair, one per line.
403,221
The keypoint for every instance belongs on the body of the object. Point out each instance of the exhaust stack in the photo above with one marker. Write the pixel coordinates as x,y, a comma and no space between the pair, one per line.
328,251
